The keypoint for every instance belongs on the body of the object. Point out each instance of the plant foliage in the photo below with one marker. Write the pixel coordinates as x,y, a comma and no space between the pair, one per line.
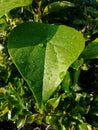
47,55
53,46
6,6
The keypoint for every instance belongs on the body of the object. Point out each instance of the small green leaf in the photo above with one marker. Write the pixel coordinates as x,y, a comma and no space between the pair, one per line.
7,5
21,121
84,126
4,111
91,51
57,6
65,83
32,118
54,102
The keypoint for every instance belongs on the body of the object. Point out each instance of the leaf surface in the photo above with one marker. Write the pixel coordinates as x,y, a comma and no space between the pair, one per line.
7,5
43,53
57,6
91,51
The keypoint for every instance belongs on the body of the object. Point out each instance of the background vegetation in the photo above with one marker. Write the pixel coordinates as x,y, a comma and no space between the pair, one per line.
74,105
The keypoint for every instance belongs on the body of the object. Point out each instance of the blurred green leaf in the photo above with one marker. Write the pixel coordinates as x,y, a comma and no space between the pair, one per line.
53,102
57,6
21,121
91,51
93,11
65,83
84,126
34,118
7,5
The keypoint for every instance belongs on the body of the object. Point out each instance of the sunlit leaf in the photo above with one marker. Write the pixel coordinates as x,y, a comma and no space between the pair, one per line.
54,102
43,53
7,5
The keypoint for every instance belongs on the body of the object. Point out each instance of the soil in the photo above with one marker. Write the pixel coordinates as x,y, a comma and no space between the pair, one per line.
9,125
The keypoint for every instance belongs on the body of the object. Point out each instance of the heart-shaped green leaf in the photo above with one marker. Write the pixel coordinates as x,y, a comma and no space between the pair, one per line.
43,53
7,5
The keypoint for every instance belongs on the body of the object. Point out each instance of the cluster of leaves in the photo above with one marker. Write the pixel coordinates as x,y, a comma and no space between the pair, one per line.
58,92
14,93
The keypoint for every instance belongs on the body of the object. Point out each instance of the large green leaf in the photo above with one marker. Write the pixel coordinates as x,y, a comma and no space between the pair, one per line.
7,5
43,53
91,51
